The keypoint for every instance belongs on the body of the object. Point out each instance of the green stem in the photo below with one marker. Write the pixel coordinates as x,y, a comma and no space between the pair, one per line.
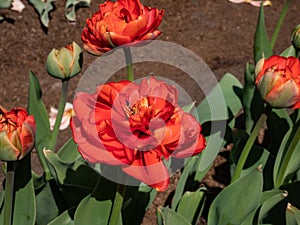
288,157
129,67
61,109
9,193
244,155
44,164
279,23
117,206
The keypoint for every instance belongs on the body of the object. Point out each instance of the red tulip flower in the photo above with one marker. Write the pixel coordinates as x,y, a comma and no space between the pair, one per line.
17,134
278,80
135,127
118,23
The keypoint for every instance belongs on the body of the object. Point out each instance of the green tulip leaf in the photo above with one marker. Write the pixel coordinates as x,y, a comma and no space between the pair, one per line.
68,152
76,174
43,8
230,88
262,46
287,163
72,5
191,205
46,199
96,207
251,98
237,200
290,51
24,211
167,216
62,219
293,211
139,201
182,181
269,200
37,108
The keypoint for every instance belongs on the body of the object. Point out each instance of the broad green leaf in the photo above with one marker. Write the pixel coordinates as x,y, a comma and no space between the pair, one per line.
269,200
68,152
170,217
262,46
286,163
295,212
257,156
252,102
228,90
46,198
63,219
37,108
43,8
290,51
278,118
138,203
76,174
5,4
237,200
190,205
72,5
96,207
182,181
24,211
214,144
290,218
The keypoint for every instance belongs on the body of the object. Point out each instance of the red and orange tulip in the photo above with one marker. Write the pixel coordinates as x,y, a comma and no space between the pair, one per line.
118,23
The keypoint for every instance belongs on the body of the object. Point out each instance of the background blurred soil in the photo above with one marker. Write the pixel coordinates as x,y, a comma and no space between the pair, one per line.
219,32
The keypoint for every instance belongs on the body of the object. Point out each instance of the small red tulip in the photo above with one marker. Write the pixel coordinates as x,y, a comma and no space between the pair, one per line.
118,23
17,134
278,80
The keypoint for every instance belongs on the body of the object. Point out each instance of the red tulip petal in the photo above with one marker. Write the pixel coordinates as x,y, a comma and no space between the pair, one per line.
149,169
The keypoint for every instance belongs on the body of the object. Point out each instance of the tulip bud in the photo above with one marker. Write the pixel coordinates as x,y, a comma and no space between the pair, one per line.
66,62
277,80
17,134
296,37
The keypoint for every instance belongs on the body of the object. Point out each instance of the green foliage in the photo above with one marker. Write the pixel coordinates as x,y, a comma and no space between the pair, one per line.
71,6
237,201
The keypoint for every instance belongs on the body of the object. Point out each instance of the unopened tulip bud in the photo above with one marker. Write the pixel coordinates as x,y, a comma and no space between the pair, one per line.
296,37
278,81
65,62
17,134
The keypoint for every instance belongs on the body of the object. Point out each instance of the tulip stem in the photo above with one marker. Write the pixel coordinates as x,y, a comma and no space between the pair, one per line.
117,206
247,148
61,109
279,23
288,156
9,193
129,67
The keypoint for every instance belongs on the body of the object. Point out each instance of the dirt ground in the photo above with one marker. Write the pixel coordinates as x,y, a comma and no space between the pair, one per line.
219,32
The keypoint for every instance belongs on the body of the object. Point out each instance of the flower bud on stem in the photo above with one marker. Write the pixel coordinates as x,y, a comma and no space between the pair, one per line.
244,155
9,192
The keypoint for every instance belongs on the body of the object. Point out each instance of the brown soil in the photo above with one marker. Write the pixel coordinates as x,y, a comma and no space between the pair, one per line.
221,33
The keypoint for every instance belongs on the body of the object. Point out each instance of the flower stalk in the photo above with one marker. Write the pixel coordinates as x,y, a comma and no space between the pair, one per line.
61,109
129,67
9,193
247,148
